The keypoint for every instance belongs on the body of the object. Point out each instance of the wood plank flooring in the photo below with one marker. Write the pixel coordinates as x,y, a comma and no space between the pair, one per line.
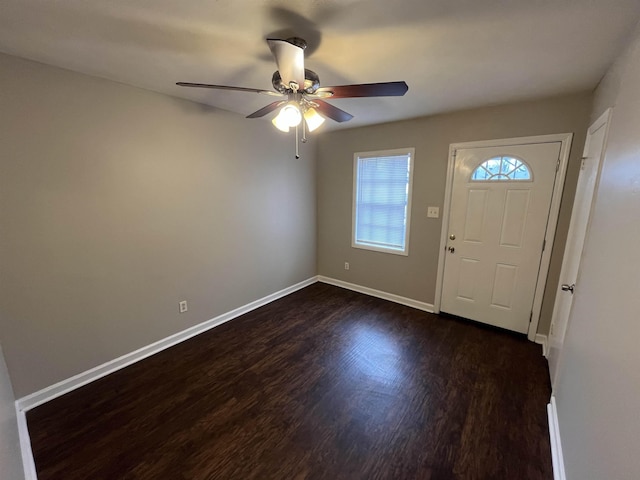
322,384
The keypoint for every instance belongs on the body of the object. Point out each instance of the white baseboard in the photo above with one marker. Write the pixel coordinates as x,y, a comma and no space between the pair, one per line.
542,340
49,393
556,445
427,307
25,446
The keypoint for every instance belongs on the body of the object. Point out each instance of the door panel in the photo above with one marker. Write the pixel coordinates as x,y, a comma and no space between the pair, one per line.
474,220
497,224
513,221
469,269
593,152
503,285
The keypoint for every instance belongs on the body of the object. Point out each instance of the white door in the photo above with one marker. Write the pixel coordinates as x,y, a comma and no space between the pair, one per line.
500,202
593,149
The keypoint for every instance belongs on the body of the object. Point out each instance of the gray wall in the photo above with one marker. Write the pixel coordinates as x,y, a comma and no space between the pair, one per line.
116,203
10,456
598,390
414,276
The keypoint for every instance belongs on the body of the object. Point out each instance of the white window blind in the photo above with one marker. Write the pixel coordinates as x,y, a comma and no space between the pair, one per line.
382,192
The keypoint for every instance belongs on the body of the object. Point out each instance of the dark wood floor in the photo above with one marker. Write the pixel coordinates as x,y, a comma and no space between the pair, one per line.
323,384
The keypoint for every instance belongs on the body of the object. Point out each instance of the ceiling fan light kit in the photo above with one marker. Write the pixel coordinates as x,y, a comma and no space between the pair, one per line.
280,124
290,114
303,91
313,119
288,117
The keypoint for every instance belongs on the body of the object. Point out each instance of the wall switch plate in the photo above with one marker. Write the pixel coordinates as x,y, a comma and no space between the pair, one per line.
182,306
433,212
346,265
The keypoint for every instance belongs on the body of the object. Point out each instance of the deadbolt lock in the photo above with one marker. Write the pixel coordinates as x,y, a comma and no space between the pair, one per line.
452,237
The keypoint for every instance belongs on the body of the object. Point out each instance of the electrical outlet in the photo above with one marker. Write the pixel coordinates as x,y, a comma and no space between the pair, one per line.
433,212
346,265
182,306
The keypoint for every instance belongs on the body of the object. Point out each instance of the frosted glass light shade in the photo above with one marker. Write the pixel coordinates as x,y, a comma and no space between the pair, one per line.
290,114
313,119
279,123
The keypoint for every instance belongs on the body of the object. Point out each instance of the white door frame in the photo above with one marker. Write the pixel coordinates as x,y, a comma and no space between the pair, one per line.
554,210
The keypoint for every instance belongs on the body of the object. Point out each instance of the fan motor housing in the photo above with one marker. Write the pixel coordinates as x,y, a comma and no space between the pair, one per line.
311,82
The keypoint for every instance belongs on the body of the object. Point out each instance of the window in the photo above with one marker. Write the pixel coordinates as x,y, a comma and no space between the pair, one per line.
382,200
501,168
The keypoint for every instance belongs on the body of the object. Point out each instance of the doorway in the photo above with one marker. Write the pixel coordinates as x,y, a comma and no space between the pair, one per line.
500,213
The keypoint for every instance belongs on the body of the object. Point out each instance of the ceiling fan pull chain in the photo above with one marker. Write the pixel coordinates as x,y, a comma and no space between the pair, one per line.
297,152
304,131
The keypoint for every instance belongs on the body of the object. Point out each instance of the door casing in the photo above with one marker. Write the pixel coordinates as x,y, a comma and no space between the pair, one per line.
565,140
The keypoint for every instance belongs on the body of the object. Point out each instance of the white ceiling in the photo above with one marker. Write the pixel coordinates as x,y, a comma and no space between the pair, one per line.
453,54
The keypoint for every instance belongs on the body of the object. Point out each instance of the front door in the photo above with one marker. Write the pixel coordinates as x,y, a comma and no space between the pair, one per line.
498,216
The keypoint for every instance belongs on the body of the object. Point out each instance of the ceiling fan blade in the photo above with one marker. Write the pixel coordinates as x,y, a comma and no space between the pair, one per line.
290,60
332,112
385,89
268,109
225,87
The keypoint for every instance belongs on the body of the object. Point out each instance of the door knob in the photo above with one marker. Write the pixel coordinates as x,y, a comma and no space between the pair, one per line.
568,288
452,237
452,249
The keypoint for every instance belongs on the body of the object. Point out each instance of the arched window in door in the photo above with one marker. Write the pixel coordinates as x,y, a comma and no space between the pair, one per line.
500,169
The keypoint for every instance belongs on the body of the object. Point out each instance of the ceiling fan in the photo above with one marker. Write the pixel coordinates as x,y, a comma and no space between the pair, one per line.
304,95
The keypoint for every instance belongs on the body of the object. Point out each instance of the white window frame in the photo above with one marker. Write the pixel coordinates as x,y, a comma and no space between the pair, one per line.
410,151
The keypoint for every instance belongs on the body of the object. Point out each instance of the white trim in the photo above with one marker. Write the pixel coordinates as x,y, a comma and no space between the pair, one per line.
28,464
28,402
600,121
556,445
552,223
542,340
507,142
445,227
554,210
392,297
411,153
